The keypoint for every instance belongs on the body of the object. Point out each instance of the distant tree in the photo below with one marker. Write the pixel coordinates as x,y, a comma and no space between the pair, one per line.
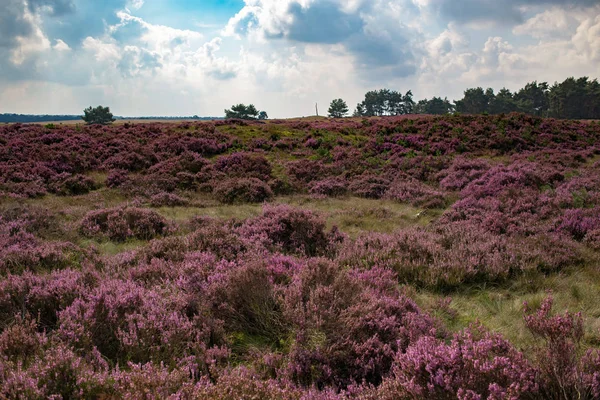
99,115
359,111
503,102
575,99
263,115
533,98
475,101
242,111
435,106
408,103
338,108
385,102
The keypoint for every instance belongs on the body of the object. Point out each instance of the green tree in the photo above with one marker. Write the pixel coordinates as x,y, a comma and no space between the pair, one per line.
359,111
435,106
533,98
575,99
503,103
475,101
242,111
98,115
385,102
263,115
338,108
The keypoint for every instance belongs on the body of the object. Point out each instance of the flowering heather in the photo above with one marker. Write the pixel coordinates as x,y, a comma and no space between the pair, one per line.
167,200
449,255
331,187
474,365
116,178
411,191
243,190
211,295
244,165
291,230
124,223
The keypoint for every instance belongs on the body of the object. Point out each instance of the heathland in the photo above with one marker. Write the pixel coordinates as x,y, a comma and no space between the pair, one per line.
376,258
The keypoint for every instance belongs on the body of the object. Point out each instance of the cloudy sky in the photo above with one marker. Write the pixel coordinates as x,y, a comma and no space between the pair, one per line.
185,57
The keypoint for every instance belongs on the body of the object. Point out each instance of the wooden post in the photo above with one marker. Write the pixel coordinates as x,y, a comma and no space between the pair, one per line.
317,108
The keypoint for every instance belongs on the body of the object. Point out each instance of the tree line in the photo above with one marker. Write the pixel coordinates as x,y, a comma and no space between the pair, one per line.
570,99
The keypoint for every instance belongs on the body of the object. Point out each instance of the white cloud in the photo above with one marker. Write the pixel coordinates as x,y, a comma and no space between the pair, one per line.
61,46
285,55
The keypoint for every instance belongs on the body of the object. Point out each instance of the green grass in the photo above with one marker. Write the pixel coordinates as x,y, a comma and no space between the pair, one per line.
500,309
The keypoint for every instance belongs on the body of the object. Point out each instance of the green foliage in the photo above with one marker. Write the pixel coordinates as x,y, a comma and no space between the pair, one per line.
248,112
99,115
385,102
338,108
475,101
435,106
575,99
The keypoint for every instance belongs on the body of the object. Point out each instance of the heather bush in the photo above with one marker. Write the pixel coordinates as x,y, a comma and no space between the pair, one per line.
302,172
474,365
242,190
243,297
244,165
241,383
346,331
21,251
116,178
291,230
164,199
120,224
21,341
217,237
72,185
369,186
332,187
578,223
416,193
35,220
565,372
41,297
462,172
446,256
123,320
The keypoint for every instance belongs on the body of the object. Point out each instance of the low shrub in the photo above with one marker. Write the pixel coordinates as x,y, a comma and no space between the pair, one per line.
244,165
116,178
120,224
416,193
474,365
70,185
445,256
242,190
369,186
164,199
291,230
332,187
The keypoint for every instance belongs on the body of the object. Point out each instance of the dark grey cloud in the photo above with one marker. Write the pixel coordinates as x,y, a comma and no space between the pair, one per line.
505,11
382,58
322,23
82,19
13,23
379,50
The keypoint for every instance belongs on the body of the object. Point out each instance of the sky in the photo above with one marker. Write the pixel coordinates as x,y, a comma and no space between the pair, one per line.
185,57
